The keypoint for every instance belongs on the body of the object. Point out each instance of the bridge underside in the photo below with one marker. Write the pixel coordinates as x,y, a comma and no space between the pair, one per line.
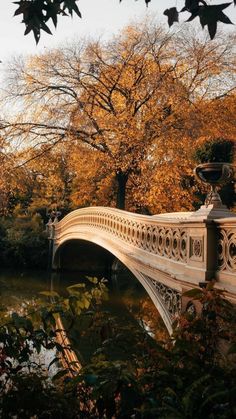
88,257
83,256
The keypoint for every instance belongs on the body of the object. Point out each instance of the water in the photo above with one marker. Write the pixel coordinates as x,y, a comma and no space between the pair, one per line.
19,290
120,322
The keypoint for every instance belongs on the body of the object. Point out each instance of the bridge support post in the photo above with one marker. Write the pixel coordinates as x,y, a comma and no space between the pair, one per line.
203,240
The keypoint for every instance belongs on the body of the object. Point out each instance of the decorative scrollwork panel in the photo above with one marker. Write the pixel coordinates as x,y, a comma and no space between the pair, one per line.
169,241
227,250
170,297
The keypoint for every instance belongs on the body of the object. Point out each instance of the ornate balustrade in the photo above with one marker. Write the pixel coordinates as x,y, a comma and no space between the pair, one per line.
168,253
155,236
175,243
226,252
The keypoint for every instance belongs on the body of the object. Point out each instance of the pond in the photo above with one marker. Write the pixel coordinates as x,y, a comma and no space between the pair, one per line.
128,316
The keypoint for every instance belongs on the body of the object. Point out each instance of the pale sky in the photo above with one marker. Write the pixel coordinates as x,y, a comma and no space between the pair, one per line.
99,17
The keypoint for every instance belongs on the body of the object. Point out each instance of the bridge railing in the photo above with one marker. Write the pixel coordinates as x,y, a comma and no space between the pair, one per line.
226,252
153,234
189,248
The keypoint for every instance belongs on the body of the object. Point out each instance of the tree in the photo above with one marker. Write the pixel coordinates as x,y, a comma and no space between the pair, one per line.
25,242
138,103
15,184
37,13
53,179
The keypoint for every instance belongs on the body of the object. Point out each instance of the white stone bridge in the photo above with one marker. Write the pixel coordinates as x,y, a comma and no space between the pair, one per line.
167,253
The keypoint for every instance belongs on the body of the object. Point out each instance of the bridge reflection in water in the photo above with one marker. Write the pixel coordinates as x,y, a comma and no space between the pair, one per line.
167,253
127,318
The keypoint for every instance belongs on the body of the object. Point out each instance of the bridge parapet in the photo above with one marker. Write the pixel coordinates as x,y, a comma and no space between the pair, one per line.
226,245
168,253
188,248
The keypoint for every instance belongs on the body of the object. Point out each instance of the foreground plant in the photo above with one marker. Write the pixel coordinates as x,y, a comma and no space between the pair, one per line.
25,388
192,374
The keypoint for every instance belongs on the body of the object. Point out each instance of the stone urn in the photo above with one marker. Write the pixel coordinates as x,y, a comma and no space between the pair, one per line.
216,175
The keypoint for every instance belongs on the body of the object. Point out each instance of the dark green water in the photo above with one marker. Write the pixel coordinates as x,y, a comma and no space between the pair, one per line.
128,312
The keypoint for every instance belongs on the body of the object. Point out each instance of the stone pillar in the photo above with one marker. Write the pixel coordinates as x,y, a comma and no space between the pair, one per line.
203,240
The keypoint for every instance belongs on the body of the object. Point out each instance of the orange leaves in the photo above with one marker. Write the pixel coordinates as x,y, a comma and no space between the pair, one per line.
135,105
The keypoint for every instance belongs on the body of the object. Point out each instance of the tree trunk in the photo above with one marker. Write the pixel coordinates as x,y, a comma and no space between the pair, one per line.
122,179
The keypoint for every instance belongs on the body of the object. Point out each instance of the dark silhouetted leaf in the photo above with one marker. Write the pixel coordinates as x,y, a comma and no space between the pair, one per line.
190,6
172,14
56,359
52,10
210,15
71,6
212,27
193,15
23,7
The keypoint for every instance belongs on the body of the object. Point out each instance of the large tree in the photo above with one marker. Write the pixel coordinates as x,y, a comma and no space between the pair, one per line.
139,101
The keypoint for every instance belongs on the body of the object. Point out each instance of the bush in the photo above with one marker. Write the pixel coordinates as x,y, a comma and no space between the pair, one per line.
215,150
188,376
23,242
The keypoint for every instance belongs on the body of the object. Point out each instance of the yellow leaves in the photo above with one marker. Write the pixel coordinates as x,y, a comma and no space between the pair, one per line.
165,183
136,105
219,117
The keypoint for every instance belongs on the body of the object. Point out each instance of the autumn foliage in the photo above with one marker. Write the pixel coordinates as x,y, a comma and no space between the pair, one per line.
117,123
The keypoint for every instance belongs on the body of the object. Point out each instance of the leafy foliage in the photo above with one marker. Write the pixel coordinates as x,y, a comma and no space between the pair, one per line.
190,375
190,378
209,15
24,387
115,123
36,13
24,241
215,150
172,15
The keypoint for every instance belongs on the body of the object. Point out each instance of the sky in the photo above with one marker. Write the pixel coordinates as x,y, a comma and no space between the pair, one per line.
99,17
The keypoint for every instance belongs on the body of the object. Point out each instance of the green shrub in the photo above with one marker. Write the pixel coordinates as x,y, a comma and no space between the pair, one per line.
188,376
23,241
215,150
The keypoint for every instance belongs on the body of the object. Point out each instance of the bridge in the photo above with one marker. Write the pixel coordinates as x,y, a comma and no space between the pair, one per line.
168,253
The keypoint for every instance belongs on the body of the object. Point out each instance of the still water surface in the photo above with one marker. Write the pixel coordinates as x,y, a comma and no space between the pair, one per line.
129,307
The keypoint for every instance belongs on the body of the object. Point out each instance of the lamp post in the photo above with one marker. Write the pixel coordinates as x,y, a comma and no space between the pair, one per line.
53,219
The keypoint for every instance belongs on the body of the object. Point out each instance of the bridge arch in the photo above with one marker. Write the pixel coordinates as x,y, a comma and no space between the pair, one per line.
105,249
167,253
